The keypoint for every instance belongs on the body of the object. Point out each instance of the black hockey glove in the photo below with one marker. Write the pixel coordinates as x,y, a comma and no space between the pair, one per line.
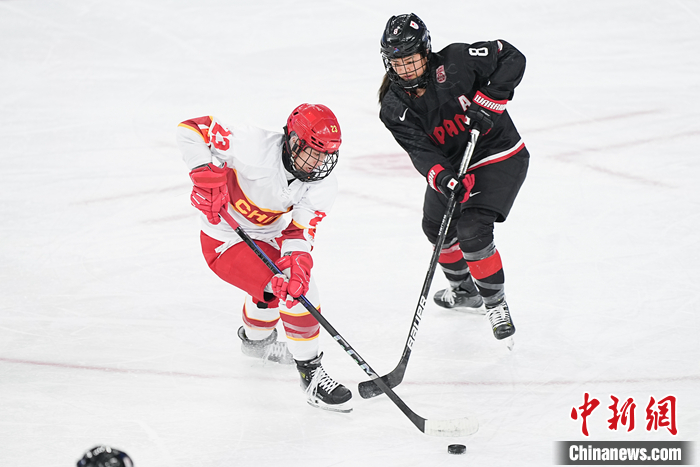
446,181
484,111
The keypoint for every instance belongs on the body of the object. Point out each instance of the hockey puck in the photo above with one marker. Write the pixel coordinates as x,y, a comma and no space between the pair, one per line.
456,449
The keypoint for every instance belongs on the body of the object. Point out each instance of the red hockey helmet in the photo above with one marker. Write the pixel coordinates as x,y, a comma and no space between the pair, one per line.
312,142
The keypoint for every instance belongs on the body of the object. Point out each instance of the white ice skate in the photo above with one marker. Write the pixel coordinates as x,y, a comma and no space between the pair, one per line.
269,349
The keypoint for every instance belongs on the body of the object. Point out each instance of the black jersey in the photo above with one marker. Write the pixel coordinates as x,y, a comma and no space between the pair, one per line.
434,127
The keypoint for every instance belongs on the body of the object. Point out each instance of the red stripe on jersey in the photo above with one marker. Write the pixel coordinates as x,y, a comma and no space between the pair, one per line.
293,230
299,232
242,204
498,157
485,267
199,125
450,255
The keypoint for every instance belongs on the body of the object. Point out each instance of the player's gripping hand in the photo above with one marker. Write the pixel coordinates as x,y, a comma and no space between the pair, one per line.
446,181
294,282
484,111
210,192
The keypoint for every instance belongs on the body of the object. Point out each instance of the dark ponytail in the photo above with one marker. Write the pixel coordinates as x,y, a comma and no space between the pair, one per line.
384,88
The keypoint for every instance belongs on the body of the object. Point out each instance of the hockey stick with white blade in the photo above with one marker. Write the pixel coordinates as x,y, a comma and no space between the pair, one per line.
453,427
371,388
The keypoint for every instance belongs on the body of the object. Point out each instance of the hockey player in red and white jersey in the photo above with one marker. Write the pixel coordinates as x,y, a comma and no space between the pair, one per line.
278,187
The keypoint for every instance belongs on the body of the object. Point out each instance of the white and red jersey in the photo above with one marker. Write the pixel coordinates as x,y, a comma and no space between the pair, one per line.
260,188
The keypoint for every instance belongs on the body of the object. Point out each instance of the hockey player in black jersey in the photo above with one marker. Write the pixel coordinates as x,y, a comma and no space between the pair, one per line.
430,101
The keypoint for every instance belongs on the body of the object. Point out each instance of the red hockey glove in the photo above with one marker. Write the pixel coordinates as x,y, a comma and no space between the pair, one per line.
445,181
210,192
484,111
296,267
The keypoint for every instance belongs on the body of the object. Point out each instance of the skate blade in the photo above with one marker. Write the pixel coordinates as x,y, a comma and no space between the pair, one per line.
267,361
345,407
480,310
472,311
266,358
510,343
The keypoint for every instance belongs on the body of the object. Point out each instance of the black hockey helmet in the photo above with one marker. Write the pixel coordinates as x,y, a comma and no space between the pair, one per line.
104,456
405,35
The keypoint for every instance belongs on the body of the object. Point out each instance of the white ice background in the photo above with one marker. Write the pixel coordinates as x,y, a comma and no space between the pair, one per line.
113,330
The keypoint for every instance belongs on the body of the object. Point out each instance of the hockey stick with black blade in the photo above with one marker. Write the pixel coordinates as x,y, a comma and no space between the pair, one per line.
453,427
372,388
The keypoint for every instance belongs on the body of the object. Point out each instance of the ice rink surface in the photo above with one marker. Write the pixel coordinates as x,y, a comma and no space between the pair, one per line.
113,330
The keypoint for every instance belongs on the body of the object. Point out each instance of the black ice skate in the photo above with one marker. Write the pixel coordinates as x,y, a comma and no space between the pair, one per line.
460,300
266,349
321,391
500,319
